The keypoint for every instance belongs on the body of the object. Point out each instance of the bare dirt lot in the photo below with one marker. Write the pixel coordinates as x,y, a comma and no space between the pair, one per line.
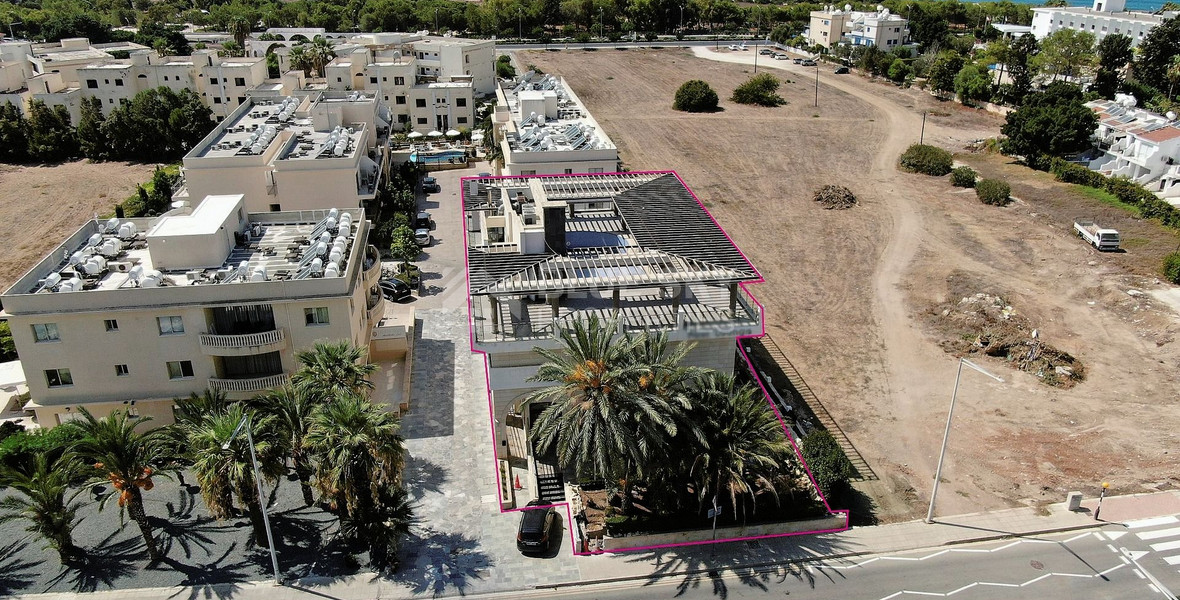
849,294
41,205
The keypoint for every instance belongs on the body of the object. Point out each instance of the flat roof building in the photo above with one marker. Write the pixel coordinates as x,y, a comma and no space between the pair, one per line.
1103,18
635,249
543,128
1138,144
132,313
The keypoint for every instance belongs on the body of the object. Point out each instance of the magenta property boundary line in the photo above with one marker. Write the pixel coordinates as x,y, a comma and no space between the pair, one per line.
741,349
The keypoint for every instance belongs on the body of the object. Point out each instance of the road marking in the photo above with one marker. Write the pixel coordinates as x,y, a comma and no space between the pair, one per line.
1141,523
1136,554
1165,546
1172,560
1112,548
1139,574
1159,533
1114,535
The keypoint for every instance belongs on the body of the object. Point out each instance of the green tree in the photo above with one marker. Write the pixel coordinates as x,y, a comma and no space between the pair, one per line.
358,450
504,68
7,346
291,412
321,53
332,369
827,462
928,26
51,137
92,138
899,70
744,448
973,83
941,77
300,59
45,501
14,144
1114,52
1021,60
159,199
403,246
1054,122
240,27
760,90
1155,54
125,459
1066,52
695,96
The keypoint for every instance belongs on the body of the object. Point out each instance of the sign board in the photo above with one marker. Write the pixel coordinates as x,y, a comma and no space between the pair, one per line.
712,512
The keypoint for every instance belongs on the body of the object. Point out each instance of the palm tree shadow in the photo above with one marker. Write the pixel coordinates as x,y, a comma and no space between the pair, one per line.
103,564
422,475
14,575
442,563
211,578
301,539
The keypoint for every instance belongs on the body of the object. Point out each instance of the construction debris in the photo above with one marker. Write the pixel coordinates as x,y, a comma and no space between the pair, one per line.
835,197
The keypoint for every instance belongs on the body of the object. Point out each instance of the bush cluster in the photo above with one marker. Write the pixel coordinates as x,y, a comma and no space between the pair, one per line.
1172,267
963,177
1127,191
759,90
993,191
930,160
695,96
827,462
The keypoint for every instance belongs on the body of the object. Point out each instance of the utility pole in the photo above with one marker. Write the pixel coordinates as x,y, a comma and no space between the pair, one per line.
436,31
755,58
12,36
682,18
922,136
600,32
817,84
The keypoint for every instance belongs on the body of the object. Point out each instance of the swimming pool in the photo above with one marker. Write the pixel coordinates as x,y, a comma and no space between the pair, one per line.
446,156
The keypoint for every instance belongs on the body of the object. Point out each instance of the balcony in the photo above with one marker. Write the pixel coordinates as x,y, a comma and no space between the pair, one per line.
250,385
245,344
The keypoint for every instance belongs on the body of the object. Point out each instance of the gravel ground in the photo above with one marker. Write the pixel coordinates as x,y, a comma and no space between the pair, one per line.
199,550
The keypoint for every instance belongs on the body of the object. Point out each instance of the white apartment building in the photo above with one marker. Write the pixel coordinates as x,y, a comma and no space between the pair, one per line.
1103,18
542,128
832,26
417,102
49,72
1137,144
131,314
293,153
634,247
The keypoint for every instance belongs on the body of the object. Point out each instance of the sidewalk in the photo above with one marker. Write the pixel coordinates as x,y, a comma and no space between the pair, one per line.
689,562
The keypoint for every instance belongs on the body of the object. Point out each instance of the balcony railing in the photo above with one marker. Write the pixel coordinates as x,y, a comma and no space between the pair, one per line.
255,384
242,341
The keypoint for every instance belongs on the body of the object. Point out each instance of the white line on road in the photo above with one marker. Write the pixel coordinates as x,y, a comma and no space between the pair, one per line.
1114,535
1165,546
1159,533
1172,560
1112,548
1141,523
1139,574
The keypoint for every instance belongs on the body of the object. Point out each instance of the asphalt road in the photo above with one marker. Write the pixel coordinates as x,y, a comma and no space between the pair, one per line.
1087,564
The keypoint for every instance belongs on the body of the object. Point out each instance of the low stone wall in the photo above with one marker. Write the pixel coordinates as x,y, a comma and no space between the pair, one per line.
830,522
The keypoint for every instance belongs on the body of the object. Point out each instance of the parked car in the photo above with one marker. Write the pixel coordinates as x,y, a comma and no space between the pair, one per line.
808,63
423,221
430,185
532,537
798,61
423,237
766,51
394,290
841,70
781,56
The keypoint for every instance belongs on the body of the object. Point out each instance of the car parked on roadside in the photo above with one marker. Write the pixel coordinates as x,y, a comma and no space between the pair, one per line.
423,237
532,536
394,290
430,185
781,56
808,63
423,221
841,70
766,51
798,61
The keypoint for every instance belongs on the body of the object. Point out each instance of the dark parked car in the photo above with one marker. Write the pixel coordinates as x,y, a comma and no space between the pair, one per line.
798,61
394,290
423,221
841,70
535,524
430,185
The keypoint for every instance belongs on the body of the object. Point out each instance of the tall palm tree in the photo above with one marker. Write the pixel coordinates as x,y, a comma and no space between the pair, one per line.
330,369
128,460
228,473
599,422
321,53
45,501
239,27
299,58
382,526
291,412
745,447
358,451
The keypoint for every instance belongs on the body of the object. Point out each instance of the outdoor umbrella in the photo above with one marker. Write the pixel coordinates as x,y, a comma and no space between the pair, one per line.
453,133
414,135
435,133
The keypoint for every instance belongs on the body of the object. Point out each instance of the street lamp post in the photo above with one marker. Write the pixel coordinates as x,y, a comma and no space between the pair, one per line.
436,32
682,18
600,31
946,433
519,26
270,538
817,84
12,35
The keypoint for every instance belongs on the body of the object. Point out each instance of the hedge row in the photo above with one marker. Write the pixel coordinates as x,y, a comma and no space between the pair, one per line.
1127,191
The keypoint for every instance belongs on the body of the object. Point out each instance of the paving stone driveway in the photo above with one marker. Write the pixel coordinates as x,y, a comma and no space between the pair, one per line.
462,544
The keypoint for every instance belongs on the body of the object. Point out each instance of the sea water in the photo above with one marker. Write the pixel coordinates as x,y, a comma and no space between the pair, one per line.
1135,5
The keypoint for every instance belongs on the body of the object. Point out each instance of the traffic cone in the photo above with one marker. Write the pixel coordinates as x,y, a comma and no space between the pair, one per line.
517,484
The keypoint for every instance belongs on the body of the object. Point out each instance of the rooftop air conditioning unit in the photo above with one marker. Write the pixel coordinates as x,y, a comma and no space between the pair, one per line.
120,267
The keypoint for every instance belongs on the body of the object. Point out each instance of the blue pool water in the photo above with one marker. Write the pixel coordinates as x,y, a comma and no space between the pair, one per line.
448,156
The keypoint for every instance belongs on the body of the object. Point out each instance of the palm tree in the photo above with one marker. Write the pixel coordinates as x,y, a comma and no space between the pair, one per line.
745,447
382,527
291,412
226,473
127,460
1173,74
321,53
330,369
600,423
358,451
239,27
300,59
45,501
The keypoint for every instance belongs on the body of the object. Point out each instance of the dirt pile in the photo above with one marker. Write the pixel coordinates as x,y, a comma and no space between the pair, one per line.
835,197
987,324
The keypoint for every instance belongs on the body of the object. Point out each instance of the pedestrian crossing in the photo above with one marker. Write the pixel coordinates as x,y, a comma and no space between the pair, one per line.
1161,535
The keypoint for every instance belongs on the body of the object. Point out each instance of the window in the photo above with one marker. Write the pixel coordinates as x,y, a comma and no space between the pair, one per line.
46,332
467,58
92,83
213,81
399,81
240,81
532,172
400,100
165,77
316,316
110,100
460,101
384,79
420,102
121,371
217,99
58,378
421,120
372,80
106,81
569,171
403,118
119,82
338,80
170,325
241,99
180,369
461,120
596,170
111,324
276,207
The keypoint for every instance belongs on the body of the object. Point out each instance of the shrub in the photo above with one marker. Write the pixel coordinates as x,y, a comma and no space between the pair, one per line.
827,462
963,177
1172,267
923,158
695,96
993,192
760,90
